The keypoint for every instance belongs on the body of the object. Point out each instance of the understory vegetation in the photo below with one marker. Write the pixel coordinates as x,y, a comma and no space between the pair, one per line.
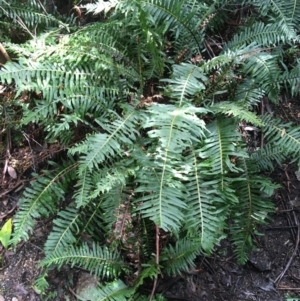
160,111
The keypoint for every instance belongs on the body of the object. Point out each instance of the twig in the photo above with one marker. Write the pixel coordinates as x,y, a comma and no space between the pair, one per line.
4,53
278,279
2,216
22,24
156,261
287,288
8,148
43,8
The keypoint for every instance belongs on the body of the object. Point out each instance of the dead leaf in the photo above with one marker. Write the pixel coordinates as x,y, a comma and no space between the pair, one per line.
12,172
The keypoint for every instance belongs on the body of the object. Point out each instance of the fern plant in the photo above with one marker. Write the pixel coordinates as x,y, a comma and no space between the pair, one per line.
149,115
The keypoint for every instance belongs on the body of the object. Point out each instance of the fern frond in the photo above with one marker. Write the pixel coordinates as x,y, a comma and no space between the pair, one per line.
113,291
180,258
187,80
175,16
53,80
230,108
249,93
99,261
220,146
283,135
207,210
253,207
263,68
263,35
64,230
41,199
265,157
29,12
101,6
287,11
174,128
98,147
100,215
291,79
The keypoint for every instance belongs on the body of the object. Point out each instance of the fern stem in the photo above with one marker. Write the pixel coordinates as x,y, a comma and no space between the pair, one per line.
156,261
140,65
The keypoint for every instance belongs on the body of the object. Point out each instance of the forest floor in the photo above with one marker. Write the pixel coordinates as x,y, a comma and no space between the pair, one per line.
271,274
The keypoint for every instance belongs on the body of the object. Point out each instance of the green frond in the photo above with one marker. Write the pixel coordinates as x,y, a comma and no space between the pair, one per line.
221,145
265,157
291,79
261,34
287,11
108,178
150,271
101,214
180,258
253,192
41,199
248,93
187,80
177,18
112,291
83,188
207,209
101,146
162,200
174,128
64,230
283,135
41,284
237,110
99,261
101,6
263,68
53,80
30,13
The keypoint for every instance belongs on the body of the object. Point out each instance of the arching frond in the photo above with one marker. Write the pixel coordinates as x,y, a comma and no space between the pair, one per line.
97,260
64,231
253,192
234,109
41,199
180,258
220,146
112,291
161,180
285,136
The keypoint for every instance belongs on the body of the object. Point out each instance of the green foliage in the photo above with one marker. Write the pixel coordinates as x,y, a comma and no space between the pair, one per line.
5,233
174,159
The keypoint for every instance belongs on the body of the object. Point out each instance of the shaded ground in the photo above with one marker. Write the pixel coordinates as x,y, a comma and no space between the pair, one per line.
271,274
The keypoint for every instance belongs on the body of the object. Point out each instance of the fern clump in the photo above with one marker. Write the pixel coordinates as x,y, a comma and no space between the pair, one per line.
144,159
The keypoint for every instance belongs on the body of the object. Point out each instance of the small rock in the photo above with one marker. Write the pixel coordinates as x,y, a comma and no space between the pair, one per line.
1,298
85,285
14,299
260,259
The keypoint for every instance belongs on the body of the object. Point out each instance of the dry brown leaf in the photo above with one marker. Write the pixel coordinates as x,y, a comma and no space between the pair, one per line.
12,172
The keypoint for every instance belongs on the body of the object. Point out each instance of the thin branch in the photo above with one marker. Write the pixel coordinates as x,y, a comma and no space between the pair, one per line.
4,53
156,261
278,279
